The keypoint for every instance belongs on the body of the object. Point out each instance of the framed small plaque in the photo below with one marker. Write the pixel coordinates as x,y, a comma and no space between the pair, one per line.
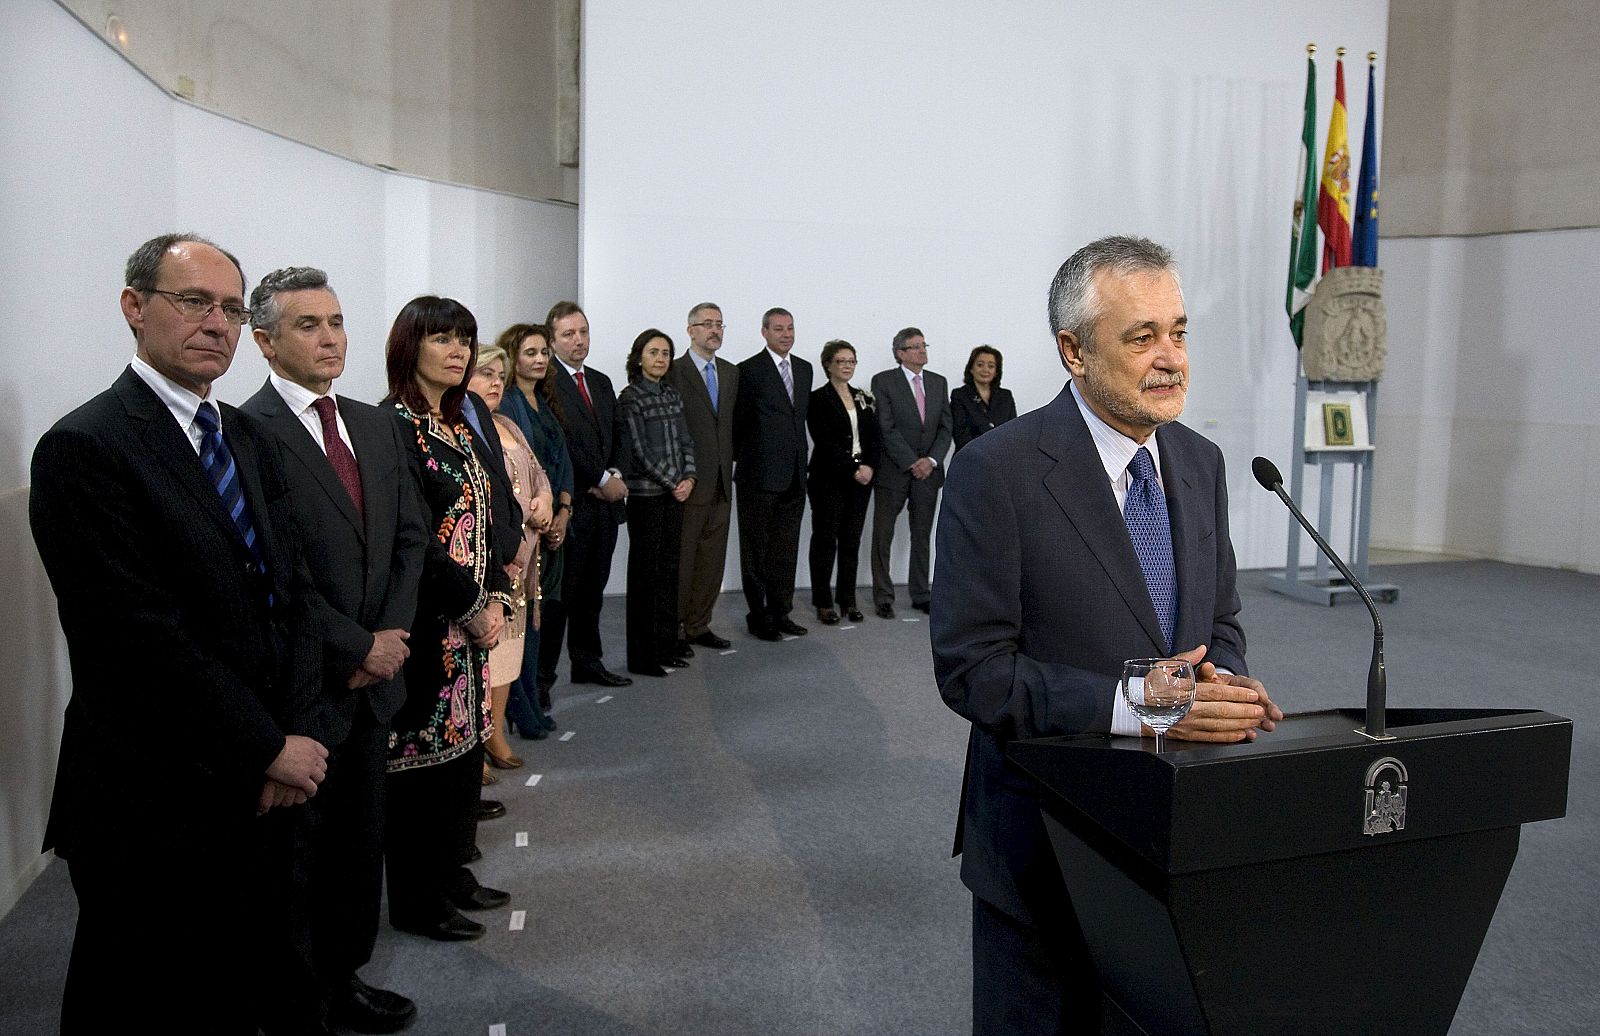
1338,427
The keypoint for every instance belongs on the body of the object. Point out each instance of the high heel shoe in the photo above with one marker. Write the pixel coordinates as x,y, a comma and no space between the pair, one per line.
510,762
490,777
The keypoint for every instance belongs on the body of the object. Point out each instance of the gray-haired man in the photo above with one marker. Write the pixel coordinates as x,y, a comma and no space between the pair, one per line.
355,515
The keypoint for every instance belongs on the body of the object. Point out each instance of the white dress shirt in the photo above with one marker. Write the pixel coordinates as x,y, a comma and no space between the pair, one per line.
1116,453
182,403
300,401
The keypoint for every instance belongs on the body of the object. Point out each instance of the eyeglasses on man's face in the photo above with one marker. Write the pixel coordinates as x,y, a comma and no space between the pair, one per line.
198,307
709,325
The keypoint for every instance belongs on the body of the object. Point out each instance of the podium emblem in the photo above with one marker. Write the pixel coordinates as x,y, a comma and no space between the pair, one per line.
1385,811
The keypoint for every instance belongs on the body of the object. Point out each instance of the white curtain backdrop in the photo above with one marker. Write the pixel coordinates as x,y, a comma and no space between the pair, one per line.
932,164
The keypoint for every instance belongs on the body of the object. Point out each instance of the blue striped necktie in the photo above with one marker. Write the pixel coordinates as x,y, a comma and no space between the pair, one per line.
711,383
218,462
1149,528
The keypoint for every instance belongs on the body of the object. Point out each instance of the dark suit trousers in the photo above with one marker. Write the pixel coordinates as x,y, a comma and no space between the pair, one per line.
655,527
923,497
838,512
701,560
432,823
172,930
339,851
591,540
1028,980
769,546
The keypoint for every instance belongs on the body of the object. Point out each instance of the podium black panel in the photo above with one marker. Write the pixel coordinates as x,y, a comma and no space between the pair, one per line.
1237,890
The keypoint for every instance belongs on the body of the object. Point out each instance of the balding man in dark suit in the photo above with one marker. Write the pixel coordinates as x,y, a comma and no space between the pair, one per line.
151,507
1041,594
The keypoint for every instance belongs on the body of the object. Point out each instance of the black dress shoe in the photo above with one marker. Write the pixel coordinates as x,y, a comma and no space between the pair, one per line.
761,632
475,855
924,607
600,675
827,616
480,898
675,663
453,928
854,615
712,641
364,1008
683,649
885,611
647,670
792,628
536,734
489,809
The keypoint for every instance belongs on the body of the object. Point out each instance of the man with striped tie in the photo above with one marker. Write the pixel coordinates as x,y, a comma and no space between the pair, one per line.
151,508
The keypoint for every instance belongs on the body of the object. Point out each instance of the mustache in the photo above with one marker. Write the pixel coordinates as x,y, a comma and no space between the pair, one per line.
1154,380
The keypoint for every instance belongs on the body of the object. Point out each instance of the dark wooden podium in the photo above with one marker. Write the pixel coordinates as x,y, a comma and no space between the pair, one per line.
1315,881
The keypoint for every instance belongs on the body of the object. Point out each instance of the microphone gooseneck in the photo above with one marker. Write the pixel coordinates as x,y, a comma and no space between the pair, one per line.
1268,475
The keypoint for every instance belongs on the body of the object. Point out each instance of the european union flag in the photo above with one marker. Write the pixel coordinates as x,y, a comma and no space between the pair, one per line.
1364,234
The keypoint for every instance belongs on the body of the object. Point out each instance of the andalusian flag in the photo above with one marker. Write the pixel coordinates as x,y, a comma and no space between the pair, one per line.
1333,201
1364,239
1303,235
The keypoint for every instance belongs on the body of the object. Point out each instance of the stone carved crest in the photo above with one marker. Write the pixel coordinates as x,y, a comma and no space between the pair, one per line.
1346,333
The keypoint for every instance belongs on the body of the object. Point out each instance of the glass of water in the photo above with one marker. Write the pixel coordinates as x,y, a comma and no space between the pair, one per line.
1160,691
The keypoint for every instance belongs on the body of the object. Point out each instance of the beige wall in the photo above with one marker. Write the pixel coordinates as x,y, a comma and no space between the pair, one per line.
1491,117
460,91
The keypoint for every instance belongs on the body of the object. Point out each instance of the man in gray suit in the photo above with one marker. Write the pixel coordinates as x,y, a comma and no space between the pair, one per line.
914,413
709,387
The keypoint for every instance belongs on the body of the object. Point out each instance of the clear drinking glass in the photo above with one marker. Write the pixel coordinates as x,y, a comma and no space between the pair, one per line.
1160,691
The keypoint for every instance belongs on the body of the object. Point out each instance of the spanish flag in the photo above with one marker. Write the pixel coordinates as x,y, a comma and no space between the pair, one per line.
1333,199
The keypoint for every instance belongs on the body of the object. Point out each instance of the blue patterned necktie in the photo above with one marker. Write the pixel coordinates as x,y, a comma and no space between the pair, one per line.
218,462
711,383
1148,526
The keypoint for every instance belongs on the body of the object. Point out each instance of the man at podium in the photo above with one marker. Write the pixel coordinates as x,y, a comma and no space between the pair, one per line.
1085,533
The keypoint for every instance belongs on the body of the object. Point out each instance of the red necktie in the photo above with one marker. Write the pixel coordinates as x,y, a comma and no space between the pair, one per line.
583,390
339,455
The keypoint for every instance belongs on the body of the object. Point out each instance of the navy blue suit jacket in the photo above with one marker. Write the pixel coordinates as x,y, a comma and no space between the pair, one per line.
167,619
769,428
1037,601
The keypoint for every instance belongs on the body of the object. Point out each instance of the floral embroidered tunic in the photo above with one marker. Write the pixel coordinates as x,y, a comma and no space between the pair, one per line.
446,711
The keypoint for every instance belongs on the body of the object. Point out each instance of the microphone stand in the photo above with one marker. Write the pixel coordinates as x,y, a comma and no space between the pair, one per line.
1377,691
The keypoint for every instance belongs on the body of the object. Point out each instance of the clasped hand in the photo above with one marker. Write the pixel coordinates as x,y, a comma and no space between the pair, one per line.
294,775
1227,708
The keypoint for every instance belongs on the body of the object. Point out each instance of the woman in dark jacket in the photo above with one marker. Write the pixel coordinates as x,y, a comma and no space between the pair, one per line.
436,739
530,401
980,403
843,421
659,471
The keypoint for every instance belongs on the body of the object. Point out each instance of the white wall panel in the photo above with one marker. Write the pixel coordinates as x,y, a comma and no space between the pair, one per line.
94,160
932,163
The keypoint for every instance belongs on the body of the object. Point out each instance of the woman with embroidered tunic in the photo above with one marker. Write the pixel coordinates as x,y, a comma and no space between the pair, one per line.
436,740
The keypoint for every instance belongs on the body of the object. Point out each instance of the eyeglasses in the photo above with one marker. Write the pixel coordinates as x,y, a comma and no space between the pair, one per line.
709,325
198,307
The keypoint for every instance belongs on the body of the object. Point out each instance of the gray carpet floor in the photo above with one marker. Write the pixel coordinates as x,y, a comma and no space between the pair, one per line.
760,843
